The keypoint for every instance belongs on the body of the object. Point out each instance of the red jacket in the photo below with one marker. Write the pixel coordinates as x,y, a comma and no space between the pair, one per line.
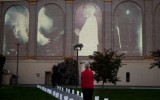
87,79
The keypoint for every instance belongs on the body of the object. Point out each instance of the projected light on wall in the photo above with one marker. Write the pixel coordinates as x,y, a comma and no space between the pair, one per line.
157,28
16,27
127,29
88,28
50,31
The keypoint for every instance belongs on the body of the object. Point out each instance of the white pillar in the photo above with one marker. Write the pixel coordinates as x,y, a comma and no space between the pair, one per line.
81,94
57,95
60,96
78,93
62,89
96,97
68,90
54,94
65,97
72,91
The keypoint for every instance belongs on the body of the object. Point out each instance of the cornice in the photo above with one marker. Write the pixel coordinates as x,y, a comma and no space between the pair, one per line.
32,2
69,1
107,0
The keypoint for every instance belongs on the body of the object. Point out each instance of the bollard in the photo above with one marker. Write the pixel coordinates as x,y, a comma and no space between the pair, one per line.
82,95
78,93
60,96
62,89
40,87
44,89
49,91
72,91
106,99
65,97
57,95
54,93
68,90
96,97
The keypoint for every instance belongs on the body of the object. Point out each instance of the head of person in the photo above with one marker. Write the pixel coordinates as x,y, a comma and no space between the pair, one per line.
89,10
87,64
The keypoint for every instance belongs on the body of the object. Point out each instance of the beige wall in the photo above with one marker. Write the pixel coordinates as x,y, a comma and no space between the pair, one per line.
140,74
28,70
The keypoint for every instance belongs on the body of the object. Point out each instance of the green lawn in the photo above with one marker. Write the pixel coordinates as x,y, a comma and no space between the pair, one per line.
128,94
23,93
30,93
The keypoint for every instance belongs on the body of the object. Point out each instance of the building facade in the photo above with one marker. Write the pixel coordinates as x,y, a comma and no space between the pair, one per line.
43,32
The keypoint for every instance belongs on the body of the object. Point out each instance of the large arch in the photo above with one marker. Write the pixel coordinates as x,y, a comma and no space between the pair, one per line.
50,31
88,28
16,30
127,29
157,27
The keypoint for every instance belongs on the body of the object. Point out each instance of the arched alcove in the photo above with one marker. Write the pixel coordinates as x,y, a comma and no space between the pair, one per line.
16,30
127,29
88,28
50,31
157,28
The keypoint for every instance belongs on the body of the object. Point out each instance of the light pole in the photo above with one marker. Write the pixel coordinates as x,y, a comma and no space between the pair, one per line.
77,47
18,44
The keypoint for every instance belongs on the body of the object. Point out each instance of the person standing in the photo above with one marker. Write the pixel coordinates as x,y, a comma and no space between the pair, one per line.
87,82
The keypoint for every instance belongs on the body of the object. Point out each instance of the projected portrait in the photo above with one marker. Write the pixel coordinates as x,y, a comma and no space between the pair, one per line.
50,31
127,29
16,29
88,23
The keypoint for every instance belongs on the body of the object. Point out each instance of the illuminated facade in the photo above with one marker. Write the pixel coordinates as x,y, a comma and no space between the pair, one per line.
48,29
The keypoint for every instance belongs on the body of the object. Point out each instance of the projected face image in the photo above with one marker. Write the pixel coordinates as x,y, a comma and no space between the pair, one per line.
17,19
89,10
50,31
45,24
128,29
15,29
87,28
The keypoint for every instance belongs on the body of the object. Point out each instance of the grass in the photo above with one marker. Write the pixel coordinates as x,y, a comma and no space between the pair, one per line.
23,93
30,93
128,94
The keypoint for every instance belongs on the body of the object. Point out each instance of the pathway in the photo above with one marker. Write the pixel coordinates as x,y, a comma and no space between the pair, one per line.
61,93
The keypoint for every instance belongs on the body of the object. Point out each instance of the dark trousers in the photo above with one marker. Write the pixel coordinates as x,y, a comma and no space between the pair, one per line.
87,93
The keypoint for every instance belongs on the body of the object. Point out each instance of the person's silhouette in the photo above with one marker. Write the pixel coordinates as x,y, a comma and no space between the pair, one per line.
88,35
